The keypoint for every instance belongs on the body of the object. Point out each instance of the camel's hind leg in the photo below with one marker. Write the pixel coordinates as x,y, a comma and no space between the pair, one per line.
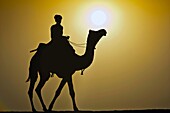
33,75
43,78
30,92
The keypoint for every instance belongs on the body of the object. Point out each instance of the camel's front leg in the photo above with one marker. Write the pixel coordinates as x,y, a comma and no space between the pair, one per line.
72,93
57,94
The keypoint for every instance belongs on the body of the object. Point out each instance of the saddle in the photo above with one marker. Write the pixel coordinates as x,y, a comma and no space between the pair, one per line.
56,45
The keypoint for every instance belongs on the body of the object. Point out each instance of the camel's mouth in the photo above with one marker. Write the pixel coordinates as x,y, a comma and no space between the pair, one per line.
104,32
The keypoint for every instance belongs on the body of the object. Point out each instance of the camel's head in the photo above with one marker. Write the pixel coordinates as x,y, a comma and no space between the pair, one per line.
95,36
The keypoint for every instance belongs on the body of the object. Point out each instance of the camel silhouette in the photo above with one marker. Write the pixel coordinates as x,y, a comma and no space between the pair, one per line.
62,61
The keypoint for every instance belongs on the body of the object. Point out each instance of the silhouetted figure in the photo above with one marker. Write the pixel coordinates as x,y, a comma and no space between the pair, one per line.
57,29
63,64
57,39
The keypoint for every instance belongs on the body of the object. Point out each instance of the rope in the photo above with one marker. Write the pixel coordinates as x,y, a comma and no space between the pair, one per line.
78,45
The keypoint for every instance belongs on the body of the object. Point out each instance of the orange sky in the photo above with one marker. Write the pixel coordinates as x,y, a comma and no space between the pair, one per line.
131,69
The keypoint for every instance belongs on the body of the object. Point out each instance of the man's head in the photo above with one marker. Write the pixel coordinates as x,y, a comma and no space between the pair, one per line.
58,18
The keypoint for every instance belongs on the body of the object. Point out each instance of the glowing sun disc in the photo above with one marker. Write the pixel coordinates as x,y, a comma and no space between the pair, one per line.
98,17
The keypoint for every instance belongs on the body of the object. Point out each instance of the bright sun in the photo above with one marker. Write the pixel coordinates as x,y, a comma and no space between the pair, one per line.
98,17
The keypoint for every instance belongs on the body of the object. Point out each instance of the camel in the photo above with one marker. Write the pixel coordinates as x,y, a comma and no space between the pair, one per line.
62,63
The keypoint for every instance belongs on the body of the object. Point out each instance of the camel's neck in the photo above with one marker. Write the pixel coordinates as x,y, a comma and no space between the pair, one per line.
85,60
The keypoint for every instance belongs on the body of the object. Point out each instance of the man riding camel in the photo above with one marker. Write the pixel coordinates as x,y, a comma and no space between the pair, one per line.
57,37
57,29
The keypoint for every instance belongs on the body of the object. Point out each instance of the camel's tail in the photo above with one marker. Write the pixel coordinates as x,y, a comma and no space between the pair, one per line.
33,69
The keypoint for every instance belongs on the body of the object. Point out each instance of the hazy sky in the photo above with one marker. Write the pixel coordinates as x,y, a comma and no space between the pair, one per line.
131,69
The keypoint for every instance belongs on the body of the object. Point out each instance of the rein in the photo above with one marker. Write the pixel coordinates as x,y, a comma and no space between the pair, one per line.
82,45
79,45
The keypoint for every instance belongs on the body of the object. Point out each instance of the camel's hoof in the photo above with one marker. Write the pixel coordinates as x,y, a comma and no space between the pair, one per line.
45,109
49,110
76,109
34,110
